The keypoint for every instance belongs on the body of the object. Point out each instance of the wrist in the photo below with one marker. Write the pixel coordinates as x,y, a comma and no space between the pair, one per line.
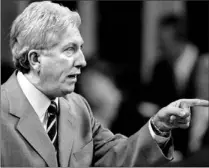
161,132
162,126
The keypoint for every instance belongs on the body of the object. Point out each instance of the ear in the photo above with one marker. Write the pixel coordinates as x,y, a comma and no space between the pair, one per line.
34,59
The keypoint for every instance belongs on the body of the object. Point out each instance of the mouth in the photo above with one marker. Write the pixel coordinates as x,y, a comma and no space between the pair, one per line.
73,76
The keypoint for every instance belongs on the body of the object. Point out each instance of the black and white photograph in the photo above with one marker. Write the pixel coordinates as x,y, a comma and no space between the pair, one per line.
104,83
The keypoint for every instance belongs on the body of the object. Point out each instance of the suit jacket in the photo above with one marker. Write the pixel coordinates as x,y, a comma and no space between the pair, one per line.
82,140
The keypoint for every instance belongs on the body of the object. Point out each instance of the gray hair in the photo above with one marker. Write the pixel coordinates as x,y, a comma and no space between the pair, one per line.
38,27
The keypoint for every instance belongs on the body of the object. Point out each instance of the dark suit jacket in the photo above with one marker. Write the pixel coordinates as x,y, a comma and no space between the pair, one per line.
82,140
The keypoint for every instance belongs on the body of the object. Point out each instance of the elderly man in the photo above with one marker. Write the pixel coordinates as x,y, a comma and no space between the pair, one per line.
44,123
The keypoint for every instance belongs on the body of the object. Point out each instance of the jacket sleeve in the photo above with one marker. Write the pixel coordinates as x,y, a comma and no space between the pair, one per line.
116,150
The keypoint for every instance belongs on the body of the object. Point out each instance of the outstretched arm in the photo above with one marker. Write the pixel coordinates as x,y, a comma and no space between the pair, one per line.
140,149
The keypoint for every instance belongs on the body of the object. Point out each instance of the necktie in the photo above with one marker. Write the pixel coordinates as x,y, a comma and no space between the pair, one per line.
52,124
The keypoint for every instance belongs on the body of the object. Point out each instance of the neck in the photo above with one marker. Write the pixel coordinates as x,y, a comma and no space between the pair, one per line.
32,78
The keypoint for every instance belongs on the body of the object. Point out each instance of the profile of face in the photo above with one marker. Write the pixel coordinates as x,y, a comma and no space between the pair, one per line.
62,64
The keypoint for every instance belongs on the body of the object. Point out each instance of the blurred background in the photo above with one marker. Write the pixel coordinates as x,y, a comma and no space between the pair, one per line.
141,56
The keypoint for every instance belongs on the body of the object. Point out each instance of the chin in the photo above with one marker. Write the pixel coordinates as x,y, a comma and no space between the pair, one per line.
68,91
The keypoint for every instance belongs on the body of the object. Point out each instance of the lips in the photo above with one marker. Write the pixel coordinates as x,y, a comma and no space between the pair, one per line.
73,75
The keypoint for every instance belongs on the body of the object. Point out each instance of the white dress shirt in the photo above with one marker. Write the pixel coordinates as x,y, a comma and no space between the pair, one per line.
36,98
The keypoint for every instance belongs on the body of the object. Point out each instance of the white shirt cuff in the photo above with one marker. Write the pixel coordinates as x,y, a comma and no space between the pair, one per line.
157,138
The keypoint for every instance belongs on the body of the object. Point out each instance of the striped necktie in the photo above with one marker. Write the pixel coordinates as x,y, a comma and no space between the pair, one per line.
52,124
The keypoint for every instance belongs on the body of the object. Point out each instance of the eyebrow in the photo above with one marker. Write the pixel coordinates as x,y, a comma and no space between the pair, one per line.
75,43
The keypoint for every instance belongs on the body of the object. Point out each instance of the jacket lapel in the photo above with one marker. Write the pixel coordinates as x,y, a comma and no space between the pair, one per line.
32,130
29,124
66,132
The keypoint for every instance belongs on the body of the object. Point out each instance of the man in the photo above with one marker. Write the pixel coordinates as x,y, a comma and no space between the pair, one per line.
44,123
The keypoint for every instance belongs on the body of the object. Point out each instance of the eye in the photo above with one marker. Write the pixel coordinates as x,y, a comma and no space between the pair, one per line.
82,47
70,50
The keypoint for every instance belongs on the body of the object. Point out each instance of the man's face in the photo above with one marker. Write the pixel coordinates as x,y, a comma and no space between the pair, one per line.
61,65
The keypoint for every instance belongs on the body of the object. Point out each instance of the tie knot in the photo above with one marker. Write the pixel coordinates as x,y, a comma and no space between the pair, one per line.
52,108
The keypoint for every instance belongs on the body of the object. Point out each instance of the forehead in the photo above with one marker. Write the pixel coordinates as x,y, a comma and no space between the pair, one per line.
71,35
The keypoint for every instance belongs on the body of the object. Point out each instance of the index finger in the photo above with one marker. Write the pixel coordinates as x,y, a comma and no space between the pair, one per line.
194,102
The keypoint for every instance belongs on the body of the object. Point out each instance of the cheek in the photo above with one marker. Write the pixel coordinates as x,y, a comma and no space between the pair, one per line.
64,68
56,70
50,71
65,64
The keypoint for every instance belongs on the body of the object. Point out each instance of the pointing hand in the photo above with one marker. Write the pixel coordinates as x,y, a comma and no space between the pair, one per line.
177,114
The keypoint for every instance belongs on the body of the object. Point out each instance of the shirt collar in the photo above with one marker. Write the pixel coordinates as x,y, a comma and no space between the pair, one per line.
36,98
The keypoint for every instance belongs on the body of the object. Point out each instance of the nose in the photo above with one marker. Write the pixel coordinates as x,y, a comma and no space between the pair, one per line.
80,62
